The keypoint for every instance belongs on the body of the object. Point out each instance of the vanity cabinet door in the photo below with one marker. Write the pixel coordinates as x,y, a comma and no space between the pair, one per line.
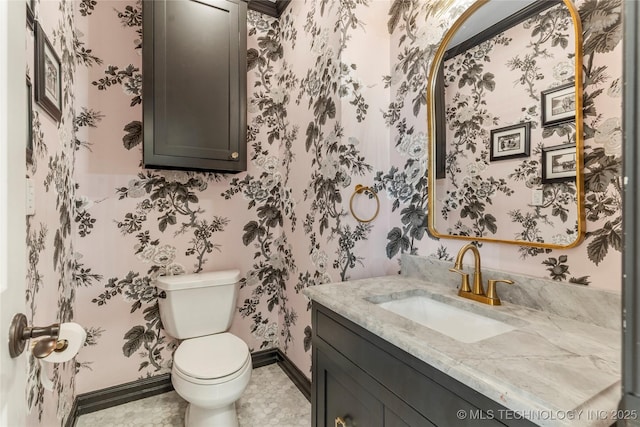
194,84
393,420
344,399
408,391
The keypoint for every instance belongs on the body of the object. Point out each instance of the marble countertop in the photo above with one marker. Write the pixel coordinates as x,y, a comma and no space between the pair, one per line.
553,370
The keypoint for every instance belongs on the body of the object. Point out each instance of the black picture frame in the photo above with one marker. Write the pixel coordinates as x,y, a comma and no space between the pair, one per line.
559,163
29,122
48,75
31,7
558,104
510,142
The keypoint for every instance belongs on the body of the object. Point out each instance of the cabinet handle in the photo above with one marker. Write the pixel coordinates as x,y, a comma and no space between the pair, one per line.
234,155
343,422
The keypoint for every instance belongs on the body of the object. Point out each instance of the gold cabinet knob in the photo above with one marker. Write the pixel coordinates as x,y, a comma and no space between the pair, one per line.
344,422
234,155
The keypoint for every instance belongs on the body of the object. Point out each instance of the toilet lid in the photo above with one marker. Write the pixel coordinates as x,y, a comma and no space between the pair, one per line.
211,356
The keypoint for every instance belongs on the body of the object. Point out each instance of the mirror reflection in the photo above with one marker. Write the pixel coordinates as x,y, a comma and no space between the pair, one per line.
505,120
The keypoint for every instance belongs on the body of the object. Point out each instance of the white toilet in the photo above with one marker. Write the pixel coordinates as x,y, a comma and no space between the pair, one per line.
211,367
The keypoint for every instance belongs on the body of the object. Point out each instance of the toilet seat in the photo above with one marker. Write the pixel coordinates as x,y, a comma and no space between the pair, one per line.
211,359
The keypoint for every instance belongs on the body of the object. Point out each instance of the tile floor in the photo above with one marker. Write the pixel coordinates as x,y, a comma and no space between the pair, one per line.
271,399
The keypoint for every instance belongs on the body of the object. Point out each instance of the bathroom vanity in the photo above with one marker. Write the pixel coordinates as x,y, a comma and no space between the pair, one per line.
374,367
360,377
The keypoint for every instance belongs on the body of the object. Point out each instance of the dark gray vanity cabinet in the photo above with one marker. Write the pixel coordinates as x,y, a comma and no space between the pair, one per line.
363,380
194,84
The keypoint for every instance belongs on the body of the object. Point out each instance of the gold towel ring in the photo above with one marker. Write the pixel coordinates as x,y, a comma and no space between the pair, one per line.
359,190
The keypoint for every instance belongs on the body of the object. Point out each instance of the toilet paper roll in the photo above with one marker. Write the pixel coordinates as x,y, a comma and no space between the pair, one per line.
75,336
45,376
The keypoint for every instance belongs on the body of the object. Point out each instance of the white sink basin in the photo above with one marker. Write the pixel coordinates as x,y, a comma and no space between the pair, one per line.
459,324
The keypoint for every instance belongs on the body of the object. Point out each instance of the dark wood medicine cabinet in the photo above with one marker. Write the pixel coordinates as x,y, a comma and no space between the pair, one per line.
194,84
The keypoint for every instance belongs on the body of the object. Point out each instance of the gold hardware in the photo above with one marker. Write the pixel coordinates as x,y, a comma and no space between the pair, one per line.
359,190
477,274
491,290
61,345
477,293
464,285
234,155
45,346
343,422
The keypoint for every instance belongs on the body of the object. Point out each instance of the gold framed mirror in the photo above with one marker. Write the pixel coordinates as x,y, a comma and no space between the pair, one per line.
505,143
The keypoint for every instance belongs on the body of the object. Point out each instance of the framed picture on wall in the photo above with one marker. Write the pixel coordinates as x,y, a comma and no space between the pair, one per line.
48,75
559,163
29,124
510,142
558,104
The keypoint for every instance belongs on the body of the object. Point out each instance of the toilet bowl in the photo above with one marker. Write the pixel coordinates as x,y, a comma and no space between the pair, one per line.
211,373
211,367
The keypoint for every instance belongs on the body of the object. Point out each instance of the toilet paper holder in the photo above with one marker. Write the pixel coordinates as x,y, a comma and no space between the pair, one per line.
20,332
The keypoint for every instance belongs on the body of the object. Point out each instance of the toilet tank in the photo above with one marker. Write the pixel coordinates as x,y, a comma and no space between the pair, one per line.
193,305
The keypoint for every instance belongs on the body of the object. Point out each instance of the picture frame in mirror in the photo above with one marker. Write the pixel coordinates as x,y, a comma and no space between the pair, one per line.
559,163
558,104
48,75
510,142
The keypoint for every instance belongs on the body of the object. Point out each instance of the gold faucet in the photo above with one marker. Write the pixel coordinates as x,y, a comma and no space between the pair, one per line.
477,293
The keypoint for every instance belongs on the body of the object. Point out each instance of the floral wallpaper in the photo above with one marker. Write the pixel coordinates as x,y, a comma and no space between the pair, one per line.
52,267
494,85
324,114
153,222
598,258
283,223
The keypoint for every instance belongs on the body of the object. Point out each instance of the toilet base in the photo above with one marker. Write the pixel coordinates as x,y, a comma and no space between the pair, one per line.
207,417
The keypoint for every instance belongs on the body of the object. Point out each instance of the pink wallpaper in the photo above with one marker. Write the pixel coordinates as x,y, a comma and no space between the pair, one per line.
335,99
112,182
495,85
50,296
597,260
